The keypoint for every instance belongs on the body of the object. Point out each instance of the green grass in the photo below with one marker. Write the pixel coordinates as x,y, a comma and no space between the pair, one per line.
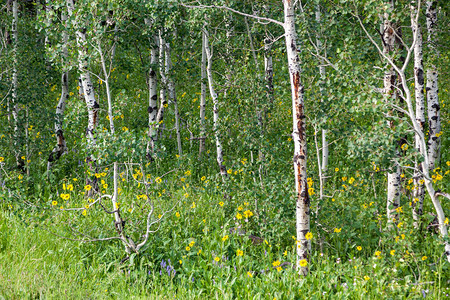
37,264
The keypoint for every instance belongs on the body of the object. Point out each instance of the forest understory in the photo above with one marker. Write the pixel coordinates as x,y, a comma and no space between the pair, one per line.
224,149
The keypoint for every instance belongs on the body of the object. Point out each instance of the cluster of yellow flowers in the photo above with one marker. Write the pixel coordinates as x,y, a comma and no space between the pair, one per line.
437,176
277,264
191,244
99,175
65,196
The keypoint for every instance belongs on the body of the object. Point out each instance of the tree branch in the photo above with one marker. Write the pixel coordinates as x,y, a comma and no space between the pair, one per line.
234,11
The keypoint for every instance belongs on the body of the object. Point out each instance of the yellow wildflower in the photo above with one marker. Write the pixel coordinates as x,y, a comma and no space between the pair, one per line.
303,263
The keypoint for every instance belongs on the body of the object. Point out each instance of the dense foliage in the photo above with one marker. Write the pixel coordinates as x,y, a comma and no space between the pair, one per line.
213,237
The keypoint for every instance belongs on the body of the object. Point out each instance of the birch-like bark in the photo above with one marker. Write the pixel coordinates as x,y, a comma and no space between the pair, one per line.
14,101
106,74
48,22
152,95
434,119
223,170
268,71
390,78
418,190
60,147
422,143
152,101
85,78
173,97
324,162
203,97
299,137
162,72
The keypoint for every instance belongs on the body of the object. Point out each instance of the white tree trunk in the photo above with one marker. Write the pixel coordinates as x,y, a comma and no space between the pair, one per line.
434,119
418,190
162,72
86,82
60,147
324,163
422,143
299,137
106,74
223,170
48,22
173,97
268,70
393,189
14,101
203,97
152,100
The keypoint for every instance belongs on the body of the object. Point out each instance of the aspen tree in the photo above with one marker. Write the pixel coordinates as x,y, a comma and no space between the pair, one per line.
203,96
85,77
219,151
87,87
390,46
152,95
162,72
423,146
173,96
60,147
323,163
418,190
106,75
15,83
434,119
299,138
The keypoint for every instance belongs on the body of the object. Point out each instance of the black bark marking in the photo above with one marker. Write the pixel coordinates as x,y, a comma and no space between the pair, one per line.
420,77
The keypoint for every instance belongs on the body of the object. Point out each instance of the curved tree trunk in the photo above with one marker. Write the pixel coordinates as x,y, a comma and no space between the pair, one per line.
87,89
299,137
85,77
223,170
